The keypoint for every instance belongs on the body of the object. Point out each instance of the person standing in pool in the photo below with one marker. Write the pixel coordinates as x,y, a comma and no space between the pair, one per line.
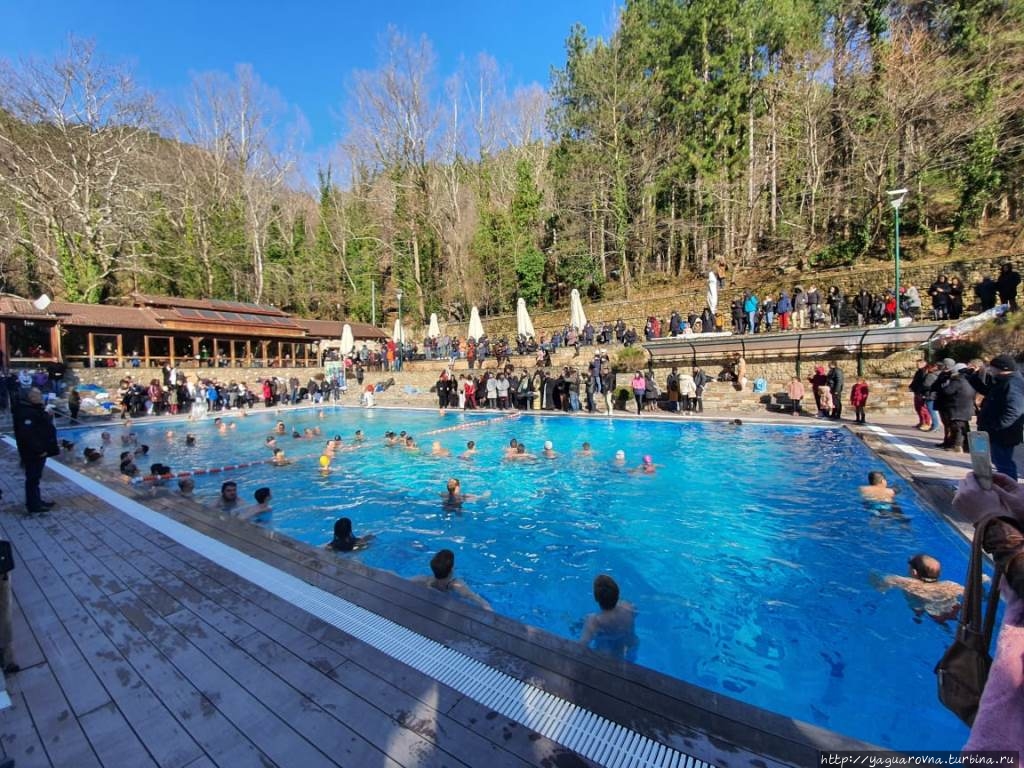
612,630
262,505
344,540
442,565
454,498
228,500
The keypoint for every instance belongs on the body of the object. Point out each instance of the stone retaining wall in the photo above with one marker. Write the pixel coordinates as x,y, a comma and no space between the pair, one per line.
110,378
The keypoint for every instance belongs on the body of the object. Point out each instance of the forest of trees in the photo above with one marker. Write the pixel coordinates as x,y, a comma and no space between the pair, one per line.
752,133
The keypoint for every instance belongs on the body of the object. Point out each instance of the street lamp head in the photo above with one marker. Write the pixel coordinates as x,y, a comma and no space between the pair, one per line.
896,197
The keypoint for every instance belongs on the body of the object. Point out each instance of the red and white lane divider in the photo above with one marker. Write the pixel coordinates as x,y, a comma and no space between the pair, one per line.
474,424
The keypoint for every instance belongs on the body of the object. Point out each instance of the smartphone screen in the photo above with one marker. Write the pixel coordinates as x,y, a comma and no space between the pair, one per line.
981,458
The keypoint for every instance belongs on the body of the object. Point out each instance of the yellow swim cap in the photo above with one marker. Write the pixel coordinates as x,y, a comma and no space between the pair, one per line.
325,461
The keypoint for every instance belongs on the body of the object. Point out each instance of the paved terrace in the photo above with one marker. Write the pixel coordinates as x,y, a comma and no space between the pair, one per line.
136,650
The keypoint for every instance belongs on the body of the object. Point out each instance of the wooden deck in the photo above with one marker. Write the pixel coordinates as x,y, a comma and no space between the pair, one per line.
136,651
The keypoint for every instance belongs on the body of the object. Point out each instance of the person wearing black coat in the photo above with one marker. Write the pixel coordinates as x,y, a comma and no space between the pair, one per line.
986,293
1006,284
862,304
37,439
1002,411
955,401
835,382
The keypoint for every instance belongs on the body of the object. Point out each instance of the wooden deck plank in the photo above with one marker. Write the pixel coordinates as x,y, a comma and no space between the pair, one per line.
346,736
256,722
206,730
84,609
27,652
113,739
54,721
18,736
125,543
83,558
416,733
64,658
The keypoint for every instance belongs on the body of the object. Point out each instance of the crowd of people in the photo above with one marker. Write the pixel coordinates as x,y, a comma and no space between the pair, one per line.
807,308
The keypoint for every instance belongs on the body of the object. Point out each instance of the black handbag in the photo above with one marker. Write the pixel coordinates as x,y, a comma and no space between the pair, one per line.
963,669
6,557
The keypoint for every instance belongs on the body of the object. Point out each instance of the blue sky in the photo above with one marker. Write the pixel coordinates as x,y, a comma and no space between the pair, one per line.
304,50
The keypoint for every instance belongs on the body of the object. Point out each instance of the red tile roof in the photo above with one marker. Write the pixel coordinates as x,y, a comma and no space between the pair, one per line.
331,329
156,312
104,316
17,307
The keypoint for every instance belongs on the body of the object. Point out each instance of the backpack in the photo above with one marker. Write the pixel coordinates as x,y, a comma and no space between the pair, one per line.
760,386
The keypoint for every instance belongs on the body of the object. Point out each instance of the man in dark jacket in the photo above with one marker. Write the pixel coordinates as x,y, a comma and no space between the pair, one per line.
1002,412
955,401
986,292
1006,284
37,438
835,382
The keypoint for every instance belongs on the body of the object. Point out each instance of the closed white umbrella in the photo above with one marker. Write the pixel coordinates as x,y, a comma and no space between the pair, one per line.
712,291
399,332
577,318
434,330
524,325
476,328
348,341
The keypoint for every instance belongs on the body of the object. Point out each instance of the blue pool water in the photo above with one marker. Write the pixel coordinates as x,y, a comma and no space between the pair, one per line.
748,555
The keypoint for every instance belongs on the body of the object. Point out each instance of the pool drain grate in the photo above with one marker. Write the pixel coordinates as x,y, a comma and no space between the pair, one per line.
586,733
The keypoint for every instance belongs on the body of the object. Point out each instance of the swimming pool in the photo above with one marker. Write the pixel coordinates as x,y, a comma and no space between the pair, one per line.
748,555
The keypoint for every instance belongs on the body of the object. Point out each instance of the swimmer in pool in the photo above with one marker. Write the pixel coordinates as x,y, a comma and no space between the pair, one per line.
877,489
470,451
454,498
511,451
344,540
262,505
647,466
586,450
436,449
520,454
279,428
925,594
549,450
441,565
279,459
612,629
620,458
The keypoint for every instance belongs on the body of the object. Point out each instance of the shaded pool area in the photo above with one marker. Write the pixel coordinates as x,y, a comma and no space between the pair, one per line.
748,554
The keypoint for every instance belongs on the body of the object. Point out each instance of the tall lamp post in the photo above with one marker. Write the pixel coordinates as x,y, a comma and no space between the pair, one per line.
400,341
896,197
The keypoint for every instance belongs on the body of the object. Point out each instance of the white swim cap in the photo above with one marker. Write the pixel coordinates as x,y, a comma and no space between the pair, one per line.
620,454
548,445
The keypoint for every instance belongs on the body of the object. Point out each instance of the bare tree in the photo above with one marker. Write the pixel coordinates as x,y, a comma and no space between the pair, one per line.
71,134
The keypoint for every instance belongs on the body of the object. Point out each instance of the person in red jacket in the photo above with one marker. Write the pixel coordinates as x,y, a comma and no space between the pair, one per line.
859,398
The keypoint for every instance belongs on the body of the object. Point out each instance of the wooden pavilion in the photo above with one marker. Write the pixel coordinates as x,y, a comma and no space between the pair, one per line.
154,329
